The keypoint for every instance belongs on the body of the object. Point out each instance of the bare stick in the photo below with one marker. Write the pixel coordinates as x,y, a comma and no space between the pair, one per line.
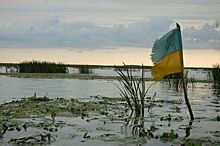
186,98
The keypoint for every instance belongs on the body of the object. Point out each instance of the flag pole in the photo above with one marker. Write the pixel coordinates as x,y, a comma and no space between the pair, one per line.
186,98
185,87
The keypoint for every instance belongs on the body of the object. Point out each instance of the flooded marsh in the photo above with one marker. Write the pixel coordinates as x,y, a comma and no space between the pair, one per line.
73,111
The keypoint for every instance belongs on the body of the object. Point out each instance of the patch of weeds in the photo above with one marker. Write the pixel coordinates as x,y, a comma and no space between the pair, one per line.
216,119
39,107
169,136
170,118
177,101
114,98
176,109
215,133
148,133
50,129
38,139
193,142
38,99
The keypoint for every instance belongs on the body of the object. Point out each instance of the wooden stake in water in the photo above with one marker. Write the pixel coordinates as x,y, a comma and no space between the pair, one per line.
143,91
186,98
184,86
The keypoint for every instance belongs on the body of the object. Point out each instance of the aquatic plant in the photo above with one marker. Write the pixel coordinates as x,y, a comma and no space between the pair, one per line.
38,139
133,90
41,67
169,136
193,142
174,81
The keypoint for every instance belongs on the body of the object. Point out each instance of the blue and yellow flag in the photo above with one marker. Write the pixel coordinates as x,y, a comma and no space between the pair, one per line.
167,55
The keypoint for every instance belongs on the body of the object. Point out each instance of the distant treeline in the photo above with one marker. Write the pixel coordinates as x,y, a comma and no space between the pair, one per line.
41,67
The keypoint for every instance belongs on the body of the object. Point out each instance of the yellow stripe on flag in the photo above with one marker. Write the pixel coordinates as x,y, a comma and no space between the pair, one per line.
172,63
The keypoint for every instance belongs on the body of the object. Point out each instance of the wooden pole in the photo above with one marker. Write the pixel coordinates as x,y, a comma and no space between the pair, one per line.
182,74
186,98
143,91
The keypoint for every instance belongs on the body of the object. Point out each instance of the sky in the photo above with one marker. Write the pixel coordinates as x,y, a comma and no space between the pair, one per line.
106,32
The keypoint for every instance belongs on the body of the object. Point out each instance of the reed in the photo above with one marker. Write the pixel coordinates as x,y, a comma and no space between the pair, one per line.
216,75
174,81
133,90
84,69
41,67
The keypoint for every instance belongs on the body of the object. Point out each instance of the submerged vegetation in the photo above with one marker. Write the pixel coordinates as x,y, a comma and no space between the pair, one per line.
41,67
46,119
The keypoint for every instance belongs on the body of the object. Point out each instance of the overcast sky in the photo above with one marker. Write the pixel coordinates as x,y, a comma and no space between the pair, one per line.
106,31
95,24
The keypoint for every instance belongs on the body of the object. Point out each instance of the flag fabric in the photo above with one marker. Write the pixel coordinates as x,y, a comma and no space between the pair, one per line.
167,55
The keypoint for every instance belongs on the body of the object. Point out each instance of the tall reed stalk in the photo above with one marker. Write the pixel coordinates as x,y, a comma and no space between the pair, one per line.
133,90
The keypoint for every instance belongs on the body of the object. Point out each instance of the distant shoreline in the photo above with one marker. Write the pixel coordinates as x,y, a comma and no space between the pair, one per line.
108,66
75,76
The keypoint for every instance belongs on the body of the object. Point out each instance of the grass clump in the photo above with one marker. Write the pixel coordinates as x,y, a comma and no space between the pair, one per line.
174,80
193,142
169,136
133,90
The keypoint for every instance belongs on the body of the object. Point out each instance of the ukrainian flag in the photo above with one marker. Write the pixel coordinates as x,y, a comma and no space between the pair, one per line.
167,55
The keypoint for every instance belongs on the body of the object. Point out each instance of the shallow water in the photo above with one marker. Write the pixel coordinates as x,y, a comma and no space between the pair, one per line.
198,74
16,88
205,106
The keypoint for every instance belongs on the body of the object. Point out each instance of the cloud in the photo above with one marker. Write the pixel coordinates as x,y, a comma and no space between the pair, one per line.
207,37
51,32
